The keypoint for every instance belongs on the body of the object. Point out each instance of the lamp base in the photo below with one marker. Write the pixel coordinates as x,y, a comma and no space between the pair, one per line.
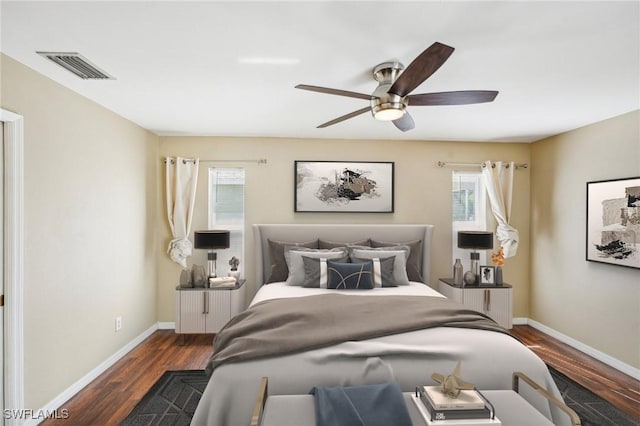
211,263
475,266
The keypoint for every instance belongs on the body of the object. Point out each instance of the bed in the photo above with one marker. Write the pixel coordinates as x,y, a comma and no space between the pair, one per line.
489,357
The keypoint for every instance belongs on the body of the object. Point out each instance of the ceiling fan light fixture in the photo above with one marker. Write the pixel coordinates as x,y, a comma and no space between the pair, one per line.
389,107
389,113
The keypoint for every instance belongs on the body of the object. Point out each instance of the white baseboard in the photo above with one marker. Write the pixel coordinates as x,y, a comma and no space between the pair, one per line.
166,326
72,390
595,353
520,321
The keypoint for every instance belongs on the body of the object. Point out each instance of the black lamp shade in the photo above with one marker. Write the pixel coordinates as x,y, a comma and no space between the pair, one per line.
481,240
211,239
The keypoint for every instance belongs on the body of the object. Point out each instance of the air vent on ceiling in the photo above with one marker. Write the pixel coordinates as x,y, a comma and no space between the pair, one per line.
77,64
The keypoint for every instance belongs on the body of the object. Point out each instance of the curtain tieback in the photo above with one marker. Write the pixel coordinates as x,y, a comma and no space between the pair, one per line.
179,250
508,237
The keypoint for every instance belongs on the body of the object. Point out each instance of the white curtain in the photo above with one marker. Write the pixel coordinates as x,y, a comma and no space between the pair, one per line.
182,179
499,183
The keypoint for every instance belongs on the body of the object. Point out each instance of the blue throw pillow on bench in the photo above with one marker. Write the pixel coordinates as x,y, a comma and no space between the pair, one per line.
371,405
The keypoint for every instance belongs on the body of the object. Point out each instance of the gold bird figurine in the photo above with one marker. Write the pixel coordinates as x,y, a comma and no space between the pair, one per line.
452,384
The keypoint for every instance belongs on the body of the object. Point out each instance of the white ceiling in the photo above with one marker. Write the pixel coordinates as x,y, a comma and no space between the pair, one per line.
229,68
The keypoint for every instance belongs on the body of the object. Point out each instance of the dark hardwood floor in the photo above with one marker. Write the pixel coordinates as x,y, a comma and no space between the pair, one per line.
619,389
109,398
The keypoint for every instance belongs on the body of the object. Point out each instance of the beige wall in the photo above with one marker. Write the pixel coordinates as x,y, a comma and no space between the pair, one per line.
96,231
596,304
89,230
422,195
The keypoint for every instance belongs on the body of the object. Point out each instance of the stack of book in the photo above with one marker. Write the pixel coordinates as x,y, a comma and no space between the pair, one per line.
469,408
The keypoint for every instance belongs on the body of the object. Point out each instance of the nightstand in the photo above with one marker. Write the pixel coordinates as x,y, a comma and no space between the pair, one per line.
207,310
495,301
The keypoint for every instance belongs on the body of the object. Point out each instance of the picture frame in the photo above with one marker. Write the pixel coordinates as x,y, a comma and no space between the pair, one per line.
487,275
344,186
613,222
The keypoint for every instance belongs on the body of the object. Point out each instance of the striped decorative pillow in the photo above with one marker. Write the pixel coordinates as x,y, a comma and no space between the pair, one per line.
382,270
315,271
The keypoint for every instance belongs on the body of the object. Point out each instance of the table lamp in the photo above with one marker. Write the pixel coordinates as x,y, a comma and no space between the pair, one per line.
475,240
211,240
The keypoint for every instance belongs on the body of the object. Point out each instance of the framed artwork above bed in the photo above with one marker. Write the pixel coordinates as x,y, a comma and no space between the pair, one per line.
343,187
613,222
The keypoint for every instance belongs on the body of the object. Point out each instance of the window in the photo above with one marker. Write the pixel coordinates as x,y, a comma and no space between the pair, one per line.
226,211
468,211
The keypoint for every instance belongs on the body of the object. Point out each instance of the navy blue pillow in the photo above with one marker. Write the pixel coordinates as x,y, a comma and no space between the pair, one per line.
350,275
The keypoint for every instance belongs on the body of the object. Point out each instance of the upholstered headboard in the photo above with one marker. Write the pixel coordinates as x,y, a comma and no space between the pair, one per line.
339,233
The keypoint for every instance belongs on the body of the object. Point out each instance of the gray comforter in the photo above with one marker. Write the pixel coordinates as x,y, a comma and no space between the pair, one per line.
293,327
318,321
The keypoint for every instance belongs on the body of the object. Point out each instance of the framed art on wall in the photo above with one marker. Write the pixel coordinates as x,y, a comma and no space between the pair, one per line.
343,187
613,222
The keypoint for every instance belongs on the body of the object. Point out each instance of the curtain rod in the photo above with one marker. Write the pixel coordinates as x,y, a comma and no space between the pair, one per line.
191,160
493,165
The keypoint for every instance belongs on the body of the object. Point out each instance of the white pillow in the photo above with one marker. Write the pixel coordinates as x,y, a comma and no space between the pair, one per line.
401,254
293,256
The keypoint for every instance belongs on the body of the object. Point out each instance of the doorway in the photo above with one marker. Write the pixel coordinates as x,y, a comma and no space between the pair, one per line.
12,260
2,271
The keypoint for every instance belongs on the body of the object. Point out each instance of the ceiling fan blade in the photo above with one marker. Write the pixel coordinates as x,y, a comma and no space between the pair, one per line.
421,68
333,91
344,117
463,97
405,122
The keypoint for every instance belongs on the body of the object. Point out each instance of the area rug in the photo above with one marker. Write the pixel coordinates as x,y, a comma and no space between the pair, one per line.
593,410
173,399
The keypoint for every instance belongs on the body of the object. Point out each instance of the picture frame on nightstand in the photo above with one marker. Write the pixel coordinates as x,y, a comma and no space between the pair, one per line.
487,275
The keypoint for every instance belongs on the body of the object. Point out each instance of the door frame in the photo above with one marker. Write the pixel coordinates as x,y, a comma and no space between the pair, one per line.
14,261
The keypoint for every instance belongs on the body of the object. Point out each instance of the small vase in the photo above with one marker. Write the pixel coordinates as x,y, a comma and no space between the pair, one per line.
235,274
499,275
469,278
198,276
457,272
185,278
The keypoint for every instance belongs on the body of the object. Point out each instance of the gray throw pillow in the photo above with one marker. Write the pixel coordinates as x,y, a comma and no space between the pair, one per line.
279,270
293,257
324,244
312,270
400,253
386,270
414,262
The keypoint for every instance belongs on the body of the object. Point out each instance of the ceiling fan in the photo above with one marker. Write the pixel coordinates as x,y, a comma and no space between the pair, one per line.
390,99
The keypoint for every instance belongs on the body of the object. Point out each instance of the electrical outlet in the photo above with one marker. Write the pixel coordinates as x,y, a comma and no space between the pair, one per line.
118,323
